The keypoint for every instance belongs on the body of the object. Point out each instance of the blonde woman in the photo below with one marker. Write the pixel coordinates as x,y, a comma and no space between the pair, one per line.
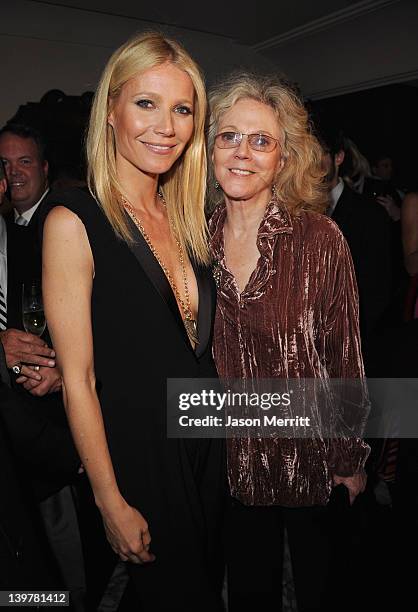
129,304
287,308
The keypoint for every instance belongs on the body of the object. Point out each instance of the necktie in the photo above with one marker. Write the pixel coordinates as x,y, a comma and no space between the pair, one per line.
3,312
20,220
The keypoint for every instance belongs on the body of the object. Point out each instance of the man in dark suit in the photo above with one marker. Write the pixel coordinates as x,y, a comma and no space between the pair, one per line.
36,379
367,228
23,155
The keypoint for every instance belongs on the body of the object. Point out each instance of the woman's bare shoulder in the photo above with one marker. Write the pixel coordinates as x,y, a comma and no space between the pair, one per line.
62,220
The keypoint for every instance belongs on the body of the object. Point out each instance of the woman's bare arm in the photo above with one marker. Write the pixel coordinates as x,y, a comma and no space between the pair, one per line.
409,216
68,270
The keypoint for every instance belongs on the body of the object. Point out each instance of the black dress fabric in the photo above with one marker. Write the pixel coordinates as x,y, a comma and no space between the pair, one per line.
139,342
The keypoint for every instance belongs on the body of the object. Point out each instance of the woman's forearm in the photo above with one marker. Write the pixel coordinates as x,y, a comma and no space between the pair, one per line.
126,529
86,422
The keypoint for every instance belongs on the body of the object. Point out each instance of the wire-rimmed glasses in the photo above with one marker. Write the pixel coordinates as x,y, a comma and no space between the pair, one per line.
258,141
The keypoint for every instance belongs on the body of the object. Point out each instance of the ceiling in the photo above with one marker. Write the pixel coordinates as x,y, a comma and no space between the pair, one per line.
328,47
249,22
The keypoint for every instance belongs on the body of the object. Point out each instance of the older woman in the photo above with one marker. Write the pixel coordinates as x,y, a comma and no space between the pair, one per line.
287,308
128,302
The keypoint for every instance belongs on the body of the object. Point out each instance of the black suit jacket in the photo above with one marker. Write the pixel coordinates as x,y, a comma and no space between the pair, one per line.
29,444
367,229
24,264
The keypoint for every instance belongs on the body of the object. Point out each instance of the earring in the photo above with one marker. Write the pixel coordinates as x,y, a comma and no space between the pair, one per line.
274,191
217,185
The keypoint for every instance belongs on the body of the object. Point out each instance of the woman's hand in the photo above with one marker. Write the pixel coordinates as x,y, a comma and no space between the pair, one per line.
389,205
128,534
355,484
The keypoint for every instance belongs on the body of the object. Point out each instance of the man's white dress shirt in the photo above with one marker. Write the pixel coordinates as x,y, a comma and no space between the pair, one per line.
28,214
333,197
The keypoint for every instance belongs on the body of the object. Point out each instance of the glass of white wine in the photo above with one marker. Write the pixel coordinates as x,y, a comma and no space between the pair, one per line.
33,308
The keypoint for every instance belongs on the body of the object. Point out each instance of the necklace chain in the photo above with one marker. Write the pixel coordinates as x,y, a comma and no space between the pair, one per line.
189,321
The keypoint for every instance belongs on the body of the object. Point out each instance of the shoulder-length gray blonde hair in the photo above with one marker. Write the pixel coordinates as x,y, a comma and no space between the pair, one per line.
184,184
299,184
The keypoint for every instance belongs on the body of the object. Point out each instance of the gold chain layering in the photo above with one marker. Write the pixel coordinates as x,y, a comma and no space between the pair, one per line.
188,320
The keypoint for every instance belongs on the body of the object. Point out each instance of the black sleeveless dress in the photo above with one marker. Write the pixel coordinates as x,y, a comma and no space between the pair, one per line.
140,341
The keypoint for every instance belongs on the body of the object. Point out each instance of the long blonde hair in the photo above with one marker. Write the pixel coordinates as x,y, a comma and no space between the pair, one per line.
299,184
184,184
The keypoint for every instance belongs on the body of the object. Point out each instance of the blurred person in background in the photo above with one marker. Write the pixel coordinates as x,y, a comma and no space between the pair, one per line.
367,229
383,168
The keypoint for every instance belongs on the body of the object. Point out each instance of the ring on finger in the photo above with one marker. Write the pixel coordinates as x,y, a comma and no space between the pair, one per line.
17,368
36,368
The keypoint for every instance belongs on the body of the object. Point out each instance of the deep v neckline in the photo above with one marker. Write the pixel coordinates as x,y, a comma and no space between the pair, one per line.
156,275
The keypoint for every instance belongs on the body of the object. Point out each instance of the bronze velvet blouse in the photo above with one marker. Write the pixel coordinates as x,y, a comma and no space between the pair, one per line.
296,318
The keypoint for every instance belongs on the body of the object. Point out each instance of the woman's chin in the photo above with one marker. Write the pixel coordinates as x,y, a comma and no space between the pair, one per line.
238,194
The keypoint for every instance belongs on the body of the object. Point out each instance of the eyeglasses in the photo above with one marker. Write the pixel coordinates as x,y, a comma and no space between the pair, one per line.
257,142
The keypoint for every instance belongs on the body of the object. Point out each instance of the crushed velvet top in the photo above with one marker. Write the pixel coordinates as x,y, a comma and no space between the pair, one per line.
296,318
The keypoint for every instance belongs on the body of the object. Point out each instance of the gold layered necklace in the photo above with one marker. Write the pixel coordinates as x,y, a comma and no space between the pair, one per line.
188,320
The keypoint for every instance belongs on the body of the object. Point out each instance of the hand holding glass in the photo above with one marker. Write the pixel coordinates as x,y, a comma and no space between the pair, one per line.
33,309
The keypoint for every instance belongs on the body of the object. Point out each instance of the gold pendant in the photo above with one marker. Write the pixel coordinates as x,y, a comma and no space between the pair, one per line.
191,329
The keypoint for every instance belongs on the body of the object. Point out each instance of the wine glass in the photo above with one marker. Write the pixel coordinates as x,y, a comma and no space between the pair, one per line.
32,308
